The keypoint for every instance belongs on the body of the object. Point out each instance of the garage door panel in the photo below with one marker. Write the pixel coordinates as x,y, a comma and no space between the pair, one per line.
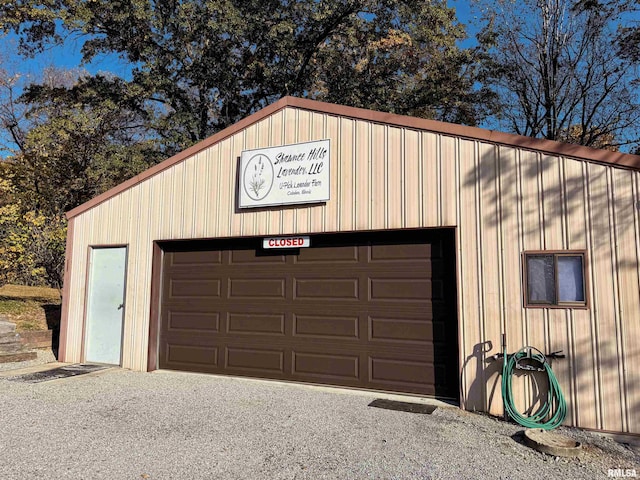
186,355
400,290
361,270
409,331
249,257
328,256
196,259
200,288
265,288
420,253
255,324
206,321
401,374
325,365
254,360
335,327
335,289
362,310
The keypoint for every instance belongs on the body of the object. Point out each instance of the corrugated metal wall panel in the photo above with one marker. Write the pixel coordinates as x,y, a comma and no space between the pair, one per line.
603,304
503,201
377,176
628,290
348,157
470,305
447,196
632,320
362,170
394,179
317,130
429,174
412,178
487,162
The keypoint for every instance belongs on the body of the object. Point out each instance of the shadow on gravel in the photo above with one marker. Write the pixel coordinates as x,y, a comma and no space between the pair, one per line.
403,406
519,437
57,373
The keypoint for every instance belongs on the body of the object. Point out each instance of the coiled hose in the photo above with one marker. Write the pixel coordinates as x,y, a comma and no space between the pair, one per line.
555,407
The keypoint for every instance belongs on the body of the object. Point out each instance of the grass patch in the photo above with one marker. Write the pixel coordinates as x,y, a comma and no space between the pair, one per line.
30,308
20,292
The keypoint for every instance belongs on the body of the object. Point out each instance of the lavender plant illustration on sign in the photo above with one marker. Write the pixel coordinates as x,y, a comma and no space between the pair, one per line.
258,177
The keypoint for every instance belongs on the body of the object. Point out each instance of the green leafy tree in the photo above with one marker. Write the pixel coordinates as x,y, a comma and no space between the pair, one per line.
32,245
73,138
202,65
81,141
205,64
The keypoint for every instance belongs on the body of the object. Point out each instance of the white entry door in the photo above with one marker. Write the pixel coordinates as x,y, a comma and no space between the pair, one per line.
105,309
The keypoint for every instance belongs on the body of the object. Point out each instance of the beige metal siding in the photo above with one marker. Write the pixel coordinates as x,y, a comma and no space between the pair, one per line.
502,201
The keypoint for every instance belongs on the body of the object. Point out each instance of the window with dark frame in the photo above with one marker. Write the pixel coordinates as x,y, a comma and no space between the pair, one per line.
555,279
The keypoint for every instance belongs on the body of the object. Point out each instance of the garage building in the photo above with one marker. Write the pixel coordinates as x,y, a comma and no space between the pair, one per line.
325,244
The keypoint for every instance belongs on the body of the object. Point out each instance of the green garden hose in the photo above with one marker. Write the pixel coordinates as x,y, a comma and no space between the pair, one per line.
552,412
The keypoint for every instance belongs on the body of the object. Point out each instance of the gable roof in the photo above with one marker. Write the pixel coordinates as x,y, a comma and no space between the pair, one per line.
472,133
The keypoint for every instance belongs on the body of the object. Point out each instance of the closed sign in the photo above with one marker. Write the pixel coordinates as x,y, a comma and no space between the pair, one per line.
286,242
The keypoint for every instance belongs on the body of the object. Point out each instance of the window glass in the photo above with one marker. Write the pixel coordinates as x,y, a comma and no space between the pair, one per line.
570,281
540,279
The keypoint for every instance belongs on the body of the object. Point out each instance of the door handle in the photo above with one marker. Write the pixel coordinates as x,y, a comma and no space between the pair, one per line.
121,306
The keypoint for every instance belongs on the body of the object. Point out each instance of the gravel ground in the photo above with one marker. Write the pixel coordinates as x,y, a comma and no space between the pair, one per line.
117,424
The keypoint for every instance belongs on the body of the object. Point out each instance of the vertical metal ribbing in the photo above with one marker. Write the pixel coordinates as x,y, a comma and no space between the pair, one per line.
338,165
594,301
403,183
619,314
569,314
460,262
354,174
634,407
520,188
500,245
479,247
439,177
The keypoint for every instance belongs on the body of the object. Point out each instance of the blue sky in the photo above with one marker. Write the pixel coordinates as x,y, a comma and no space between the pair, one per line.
68,56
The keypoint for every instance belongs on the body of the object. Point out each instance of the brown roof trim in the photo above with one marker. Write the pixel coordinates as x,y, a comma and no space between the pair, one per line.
194,149
473,133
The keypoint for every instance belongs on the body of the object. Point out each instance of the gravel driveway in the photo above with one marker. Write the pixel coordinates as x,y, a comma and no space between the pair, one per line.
117,424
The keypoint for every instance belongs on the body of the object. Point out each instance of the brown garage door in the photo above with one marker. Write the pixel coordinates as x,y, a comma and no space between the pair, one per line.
370,310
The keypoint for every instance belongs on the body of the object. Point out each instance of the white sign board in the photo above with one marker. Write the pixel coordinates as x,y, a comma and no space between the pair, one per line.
284,175
286,242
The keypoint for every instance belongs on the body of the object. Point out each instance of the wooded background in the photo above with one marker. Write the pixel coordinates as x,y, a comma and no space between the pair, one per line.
560,70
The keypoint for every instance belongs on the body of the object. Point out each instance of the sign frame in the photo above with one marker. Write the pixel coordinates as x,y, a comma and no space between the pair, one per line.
291,174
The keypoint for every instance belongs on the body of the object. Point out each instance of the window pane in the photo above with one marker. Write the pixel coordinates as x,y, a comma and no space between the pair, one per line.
540,279
570,279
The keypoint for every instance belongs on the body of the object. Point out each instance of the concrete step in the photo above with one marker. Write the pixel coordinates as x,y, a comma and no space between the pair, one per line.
7,327
10,343
37,339
9,338
17,357
11,347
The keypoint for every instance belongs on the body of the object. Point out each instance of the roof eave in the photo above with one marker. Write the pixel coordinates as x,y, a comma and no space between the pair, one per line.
472,133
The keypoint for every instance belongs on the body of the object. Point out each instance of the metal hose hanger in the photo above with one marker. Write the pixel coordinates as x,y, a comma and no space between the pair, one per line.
553,411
